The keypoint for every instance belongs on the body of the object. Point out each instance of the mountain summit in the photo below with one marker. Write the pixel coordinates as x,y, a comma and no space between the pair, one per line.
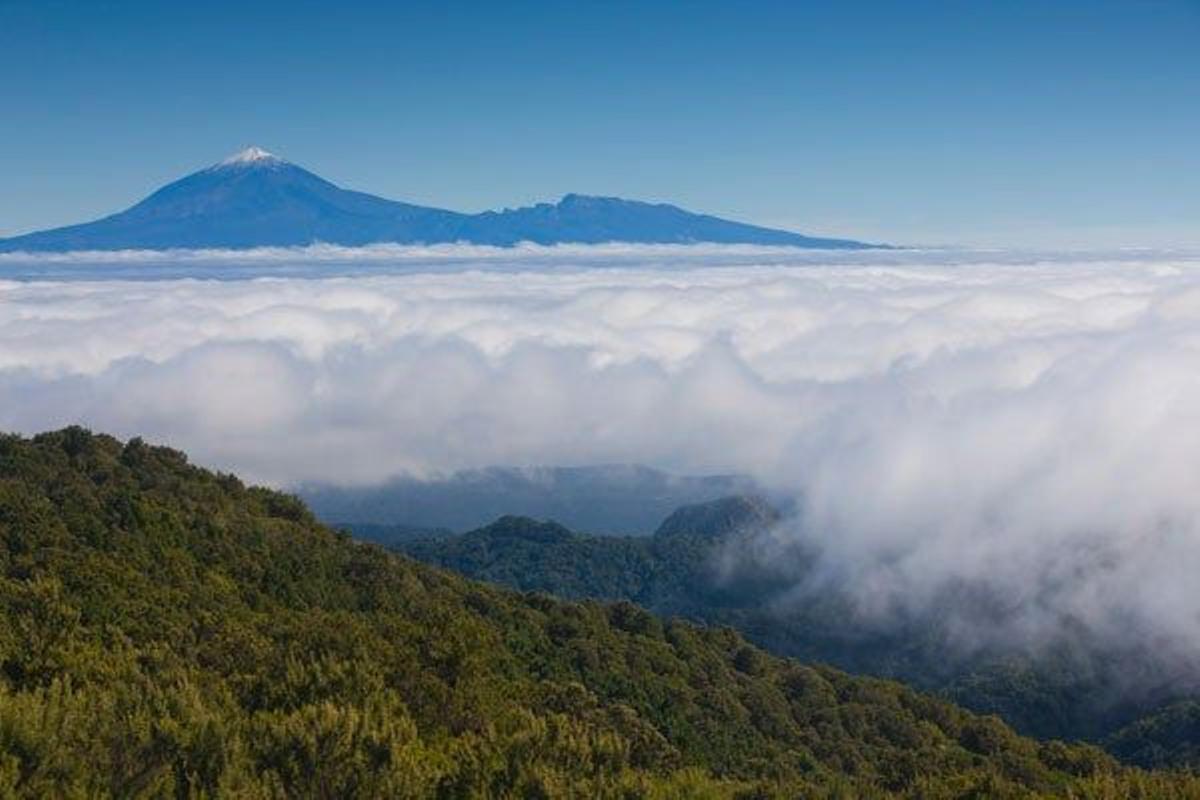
257,199
251,155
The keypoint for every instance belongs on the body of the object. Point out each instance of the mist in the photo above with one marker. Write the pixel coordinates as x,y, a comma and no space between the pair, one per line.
1026,424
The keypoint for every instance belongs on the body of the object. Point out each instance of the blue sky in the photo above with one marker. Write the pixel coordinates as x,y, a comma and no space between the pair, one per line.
998,123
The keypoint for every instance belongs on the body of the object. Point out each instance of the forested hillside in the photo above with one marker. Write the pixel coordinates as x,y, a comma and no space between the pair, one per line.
701,564
168,631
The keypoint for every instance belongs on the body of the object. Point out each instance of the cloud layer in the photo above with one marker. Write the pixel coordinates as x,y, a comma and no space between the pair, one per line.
1026,423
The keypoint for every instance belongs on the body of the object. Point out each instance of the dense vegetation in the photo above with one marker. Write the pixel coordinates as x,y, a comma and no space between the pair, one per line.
700,564
168,631
670,572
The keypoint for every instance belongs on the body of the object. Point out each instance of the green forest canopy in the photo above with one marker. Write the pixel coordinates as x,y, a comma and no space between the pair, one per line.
170,632
701,565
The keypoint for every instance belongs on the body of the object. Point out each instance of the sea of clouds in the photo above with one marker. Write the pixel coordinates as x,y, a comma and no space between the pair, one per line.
1029,422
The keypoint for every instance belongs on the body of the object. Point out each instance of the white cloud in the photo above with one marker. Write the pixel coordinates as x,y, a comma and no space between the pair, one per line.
1028,422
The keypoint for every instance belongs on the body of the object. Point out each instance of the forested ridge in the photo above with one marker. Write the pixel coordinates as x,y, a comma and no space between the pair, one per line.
701,564
170,632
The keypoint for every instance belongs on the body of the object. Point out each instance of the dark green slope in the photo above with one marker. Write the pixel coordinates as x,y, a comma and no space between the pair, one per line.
1168,736
701,564
671,571
167,631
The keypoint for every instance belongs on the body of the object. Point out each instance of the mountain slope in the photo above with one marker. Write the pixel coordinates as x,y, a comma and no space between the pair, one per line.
255,199
250,200
594,220
167,631
702,564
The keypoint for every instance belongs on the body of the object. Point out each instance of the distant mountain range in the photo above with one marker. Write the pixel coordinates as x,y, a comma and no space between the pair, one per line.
607,499
256,199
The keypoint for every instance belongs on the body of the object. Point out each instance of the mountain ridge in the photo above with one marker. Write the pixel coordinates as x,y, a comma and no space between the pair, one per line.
705,563
257,199
606,499
166,631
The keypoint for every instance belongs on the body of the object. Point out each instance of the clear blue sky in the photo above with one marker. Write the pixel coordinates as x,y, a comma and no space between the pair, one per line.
1006,122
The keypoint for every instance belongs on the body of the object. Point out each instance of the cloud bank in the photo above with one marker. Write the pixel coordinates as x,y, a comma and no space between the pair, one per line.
1028,424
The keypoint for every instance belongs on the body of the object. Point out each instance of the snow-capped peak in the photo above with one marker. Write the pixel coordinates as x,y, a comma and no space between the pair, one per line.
251,155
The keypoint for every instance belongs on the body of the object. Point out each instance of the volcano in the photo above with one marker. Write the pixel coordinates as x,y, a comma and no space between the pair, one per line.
256,199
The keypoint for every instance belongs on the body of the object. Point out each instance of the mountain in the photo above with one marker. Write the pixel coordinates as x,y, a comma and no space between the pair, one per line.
670,572
720,518
170,632
594,220
611,499
706,562
255,199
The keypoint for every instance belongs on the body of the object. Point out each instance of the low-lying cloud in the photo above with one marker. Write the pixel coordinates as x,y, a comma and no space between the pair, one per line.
1026,424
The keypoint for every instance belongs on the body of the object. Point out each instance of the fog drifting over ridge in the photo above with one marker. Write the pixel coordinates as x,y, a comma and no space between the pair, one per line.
1026,423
